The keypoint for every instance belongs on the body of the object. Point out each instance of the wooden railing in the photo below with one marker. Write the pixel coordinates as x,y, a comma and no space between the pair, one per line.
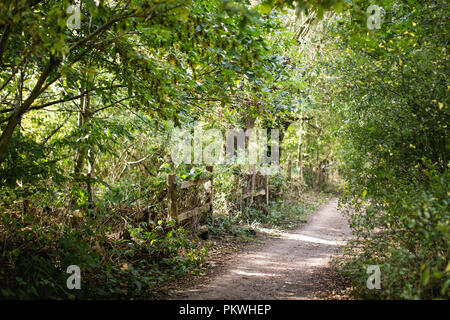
261,189
172,196
256,185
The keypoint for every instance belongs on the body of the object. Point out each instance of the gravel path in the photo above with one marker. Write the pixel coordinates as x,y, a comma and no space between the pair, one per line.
281,268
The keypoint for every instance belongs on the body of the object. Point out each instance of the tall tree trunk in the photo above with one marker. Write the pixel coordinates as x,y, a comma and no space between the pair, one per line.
83,150
318,168
300,151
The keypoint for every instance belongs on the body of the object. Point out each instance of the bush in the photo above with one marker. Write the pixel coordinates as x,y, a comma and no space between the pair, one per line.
36,258
407,233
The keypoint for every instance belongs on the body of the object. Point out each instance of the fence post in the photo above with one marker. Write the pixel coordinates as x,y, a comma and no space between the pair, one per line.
211,170
289,170
253,187
172,196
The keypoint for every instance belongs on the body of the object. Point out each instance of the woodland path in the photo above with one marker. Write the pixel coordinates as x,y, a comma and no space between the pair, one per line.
288,267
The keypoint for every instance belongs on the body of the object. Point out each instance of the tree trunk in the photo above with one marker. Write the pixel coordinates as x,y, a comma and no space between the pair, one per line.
82,119
319,169
300,151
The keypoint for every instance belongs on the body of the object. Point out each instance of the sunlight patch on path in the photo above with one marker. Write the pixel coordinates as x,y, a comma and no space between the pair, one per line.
304,238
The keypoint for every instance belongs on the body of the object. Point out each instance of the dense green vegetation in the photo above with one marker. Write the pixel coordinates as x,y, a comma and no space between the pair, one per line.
87,116
390,89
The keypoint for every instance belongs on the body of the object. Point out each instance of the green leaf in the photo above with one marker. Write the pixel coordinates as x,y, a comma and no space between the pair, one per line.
265,7
426,277
445,287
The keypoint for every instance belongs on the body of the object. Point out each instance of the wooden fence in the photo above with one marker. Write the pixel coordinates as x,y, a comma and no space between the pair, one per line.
172,196
256,185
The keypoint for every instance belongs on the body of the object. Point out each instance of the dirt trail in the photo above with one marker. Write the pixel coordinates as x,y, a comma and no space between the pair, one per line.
282,268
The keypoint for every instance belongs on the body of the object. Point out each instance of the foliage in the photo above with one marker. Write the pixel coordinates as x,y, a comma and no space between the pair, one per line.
35,263
390,88
86,117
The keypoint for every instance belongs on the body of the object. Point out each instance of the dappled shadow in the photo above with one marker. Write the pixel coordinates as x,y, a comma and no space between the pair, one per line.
282,268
